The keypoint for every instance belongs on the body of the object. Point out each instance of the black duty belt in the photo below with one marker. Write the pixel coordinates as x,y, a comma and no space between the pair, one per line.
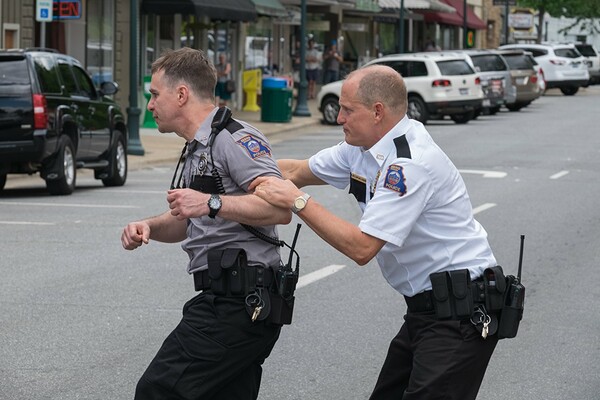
256,276
424,302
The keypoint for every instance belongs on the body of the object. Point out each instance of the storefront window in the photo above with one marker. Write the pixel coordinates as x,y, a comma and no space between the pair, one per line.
99,51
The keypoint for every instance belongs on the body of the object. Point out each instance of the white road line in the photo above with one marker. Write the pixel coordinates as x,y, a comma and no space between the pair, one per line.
485,174
318,275
559,174
483,207
14,203
25,223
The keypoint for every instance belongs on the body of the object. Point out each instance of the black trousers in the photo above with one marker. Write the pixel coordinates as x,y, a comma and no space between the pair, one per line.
434,360
216,352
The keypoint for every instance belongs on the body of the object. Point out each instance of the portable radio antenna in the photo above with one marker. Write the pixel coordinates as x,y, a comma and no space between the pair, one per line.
521,257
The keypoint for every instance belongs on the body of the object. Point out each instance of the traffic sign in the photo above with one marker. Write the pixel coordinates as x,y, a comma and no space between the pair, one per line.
43,10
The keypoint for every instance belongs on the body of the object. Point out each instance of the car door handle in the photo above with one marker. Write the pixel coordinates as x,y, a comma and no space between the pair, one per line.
92,110
75,107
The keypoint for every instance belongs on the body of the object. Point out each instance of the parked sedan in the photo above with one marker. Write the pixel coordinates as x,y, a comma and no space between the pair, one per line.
438,84
524,77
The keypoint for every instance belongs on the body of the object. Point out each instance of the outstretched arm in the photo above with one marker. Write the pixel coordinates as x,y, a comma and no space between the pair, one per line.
345,237
163,228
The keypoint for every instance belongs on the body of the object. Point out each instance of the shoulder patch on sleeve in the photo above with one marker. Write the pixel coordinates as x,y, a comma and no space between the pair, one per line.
395,180
254,147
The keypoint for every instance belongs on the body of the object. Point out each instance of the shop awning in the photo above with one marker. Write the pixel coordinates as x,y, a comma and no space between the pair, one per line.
216,10
421,5
473,21
271,8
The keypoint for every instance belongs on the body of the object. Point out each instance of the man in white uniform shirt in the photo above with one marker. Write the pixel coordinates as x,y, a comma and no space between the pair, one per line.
417,221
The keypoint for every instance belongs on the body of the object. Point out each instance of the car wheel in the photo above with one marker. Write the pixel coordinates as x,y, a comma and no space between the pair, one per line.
462,118
2,181
118,162
569,90
514,107
417,109
65,183
331,109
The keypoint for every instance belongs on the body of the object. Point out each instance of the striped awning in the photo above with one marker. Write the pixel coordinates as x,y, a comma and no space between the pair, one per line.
423,5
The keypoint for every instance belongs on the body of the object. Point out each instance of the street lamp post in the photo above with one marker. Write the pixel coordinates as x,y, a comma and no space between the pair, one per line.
134,145
301,105
401,28
465,27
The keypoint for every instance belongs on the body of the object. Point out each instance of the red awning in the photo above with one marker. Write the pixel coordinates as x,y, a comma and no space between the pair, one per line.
473,21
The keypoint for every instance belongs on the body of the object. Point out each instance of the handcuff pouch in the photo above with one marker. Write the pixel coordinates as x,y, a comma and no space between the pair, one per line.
495,288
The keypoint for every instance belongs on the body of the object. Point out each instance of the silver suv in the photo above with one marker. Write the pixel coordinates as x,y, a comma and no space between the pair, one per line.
495,77
438,85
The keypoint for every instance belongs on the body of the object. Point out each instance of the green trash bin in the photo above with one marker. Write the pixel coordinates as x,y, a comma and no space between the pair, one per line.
276,100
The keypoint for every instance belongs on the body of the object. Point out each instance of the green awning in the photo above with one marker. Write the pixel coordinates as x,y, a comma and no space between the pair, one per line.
216,10
271,8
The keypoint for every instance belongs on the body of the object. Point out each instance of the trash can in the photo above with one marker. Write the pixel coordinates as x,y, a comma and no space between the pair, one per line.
276,101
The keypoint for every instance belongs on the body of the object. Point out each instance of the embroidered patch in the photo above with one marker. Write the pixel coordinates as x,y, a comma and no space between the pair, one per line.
255,147
394,179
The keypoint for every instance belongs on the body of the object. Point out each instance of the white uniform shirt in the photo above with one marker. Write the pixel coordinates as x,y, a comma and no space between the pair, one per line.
413,197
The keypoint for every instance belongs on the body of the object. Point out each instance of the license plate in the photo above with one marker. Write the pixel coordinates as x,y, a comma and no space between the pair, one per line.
486,103
521,81
463,91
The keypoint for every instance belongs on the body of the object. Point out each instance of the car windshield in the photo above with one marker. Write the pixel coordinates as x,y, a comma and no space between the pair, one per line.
455,67
489,62
567,53
518,61
587,50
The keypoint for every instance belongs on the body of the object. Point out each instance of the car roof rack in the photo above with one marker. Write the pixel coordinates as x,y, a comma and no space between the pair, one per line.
48,49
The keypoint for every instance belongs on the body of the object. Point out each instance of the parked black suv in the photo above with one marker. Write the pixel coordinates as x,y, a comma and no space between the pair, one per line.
53,120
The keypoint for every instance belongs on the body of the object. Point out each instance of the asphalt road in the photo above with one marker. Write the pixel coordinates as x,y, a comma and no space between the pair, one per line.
81,317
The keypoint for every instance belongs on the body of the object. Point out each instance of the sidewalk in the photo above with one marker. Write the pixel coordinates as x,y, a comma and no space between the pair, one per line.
160,148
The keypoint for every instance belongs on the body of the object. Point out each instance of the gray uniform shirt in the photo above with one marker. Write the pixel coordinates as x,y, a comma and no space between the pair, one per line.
240,157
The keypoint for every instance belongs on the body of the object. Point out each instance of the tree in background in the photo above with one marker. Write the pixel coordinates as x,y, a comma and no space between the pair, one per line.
584,12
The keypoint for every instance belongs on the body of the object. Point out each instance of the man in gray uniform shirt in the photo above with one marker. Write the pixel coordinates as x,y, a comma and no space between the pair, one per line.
217,350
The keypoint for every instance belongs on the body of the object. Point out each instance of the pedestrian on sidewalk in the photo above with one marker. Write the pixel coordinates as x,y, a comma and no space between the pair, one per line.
313,62
417,221
223,75
217,350
332,61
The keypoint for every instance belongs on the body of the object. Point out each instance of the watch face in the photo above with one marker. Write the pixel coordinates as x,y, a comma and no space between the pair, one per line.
299,203
214,202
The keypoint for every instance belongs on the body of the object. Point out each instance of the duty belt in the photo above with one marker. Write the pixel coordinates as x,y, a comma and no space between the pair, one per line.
256,276
424,301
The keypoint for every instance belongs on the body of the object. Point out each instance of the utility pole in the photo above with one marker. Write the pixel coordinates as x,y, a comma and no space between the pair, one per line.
301,105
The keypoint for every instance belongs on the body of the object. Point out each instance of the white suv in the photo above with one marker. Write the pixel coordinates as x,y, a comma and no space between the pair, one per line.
438,84
564,67
593,60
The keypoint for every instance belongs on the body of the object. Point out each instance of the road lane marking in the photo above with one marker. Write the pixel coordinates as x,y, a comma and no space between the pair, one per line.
485,174
483,207
559,175
318,275
25,223
11,203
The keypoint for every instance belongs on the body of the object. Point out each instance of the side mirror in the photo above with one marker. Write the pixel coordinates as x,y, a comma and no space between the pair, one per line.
108,88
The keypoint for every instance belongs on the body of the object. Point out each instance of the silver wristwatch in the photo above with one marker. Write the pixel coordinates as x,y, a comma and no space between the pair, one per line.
300,203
